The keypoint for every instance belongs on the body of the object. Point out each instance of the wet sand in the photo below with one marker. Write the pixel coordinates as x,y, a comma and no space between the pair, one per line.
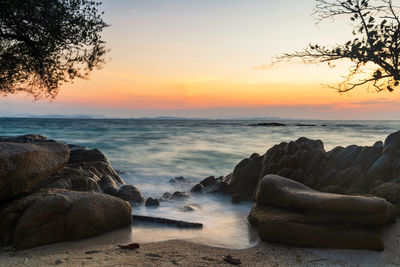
103,251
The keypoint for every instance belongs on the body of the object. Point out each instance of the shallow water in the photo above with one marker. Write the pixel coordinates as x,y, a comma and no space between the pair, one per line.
150,152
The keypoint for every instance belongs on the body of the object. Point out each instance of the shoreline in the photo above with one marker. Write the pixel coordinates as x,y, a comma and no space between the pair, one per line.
103,251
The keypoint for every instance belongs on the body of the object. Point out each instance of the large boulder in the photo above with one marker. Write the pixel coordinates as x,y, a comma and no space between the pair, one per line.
292,213
291,227
54,215
22,165
244,178
285,193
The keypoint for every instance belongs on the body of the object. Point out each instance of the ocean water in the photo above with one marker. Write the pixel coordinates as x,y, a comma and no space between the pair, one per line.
148,153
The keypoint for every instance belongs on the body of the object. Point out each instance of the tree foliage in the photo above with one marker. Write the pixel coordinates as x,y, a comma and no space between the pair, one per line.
376,43
45,43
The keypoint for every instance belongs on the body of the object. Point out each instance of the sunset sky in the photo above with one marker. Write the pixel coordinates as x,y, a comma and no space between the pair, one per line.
212,58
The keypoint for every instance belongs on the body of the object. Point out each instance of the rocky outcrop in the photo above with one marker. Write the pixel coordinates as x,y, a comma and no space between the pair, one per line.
130,193
46,187
86,170
22,165
350,170
289,212
54,215
244,177
285,226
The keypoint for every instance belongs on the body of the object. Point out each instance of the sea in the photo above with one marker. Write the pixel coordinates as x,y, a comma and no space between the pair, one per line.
149,152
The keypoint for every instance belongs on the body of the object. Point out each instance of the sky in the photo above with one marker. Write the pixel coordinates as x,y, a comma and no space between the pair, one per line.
212,58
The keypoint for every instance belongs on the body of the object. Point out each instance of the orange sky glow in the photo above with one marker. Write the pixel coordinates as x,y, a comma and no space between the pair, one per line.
207,55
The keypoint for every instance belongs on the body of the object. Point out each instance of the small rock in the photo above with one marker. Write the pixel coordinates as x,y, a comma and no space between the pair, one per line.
166,196
188,208
198,188
151,202
235,198
130,193
180,195
179,179
209,181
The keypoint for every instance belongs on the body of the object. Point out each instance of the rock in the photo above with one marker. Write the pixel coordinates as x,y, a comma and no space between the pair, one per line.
378,144
309,144
209,181
54,215
189,208
179,195
389,191
367,157
392,143
383,169
285,193
293,227
22,165
151,202
179,179
130,193
75,148
103,170
267,124
291,148
27,138
198,188
75,179
346,157
84,155
166,196
244,178
220,187
84,176
236,199
110,190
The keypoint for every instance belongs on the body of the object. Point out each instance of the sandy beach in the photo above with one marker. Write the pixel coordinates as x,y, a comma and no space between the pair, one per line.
103,251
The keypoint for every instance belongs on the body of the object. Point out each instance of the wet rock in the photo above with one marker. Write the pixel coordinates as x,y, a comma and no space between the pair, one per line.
84,155
209,181
54,215
130,193
198,188
236,199
179,179
244,178
23,165
189,208
151,202
180,195
166,196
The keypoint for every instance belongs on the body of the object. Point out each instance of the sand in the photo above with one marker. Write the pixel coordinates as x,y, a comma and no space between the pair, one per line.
103,251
